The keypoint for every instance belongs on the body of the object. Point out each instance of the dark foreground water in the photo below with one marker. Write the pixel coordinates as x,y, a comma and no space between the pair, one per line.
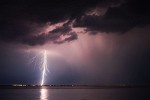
76,94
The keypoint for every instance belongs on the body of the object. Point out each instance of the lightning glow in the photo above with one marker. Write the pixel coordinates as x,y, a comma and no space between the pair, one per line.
44,67
41,60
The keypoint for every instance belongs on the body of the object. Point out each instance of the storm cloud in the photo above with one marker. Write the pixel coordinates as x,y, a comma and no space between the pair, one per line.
26,21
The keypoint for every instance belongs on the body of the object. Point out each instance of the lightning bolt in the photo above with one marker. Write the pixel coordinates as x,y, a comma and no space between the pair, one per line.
44,67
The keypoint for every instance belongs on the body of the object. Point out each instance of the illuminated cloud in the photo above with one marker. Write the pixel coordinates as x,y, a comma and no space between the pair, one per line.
38,24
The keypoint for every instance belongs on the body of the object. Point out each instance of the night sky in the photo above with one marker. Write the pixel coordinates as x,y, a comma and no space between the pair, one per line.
94,42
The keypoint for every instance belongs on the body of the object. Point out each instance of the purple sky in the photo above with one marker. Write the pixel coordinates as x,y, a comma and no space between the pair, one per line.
103,42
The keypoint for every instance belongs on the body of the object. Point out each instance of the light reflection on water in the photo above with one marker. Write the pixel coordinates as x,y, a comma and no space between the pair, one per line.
43,94
75,94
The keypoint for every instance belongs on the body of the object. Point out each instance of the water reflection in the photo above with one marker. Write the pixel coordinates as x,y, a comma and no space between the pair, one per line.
44,94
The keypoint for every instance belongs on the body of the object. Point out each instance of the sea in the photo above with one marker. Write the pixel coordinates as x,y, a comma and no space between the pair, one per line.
75,93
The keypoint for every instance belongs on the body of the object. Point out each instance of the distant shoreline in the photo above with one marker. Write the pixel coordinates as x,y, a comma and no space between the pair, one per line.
66,87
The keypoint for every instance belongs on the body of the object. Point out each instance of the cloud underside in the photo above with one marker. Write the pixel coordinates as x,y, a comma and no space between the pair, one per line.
36,24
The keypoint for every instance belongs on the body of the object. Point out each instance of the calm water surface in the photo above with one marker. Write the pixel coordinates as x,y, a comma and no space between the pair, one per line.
76,94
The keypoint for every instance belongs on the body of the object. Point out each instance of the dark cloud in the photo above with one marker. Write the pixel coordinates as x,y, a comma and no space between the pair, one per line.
118,19
38,40
73,36
53,36
15,14
23,20
62,30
